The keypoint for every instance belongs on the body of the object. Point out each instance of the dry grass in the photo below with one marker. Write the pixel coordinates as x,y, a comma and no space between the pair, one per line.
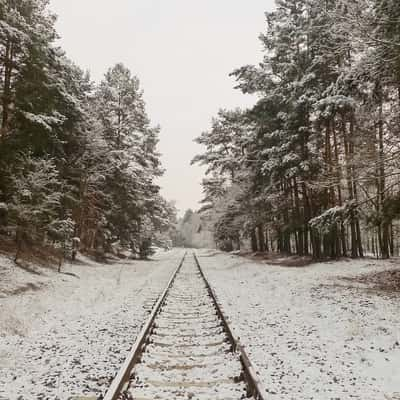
386,281
44,256
279,259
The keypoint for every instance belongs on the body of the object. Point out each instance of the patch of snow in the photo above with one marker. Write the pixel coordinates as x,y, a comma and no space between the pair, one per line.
69,337
311,332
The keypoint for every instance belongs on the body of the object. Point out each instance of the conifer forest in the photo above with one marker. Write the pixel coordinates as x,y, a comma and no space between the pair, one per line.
78,160
313,167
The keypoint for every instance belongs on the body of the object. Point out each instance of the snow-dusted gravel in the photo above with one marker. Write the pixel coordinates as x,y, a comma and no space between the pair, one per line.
69,336
188,356
312,332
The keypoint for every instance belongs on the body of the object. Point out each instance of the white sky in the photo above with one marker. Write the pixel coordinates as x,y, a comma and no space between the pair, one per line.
182,51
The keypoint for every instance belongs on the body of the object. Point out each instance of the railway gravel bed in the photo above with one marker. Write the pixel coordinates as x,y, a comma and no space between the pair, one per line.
189,355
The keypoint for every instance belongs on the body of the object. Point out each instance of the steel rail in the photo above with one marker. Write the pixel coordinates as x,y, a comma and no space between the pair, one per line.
254,386
121,380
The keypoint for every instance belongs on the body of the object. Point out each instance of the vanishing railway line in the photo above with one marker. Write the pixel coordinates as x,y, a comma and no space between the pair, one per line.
186,349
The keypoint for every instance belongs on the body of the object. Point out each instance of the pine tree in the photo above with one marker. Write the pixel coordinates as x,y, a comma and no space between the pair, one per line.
132,197
34,208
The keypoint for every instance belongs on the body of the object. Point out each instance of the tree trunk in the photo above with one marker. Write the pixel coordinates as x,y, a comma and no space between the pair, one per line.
266,241
6,98
261,238
253,237
382,181
299,220
350,183
391,240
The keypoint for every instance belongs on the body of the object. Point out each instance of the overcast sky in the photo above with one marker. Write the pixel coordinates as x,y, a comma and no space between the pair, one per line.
182,51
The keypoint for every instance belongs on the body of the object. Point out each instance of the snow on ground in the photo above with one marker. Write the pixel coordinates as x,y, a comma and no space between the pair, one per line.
65,335
314,332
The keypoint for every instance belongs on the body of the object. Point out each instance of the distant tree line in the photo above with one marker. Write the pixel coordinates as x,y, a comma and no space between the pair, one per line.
313,168
77,159
193,232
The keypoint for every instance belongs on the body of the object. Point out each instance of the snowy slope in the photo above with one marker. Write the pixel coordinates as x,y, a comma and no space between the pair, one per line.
69,337
313,333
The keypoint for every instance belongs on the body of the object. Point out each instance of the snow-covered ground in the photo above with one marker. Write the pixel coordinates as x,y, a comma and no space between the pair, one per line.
65,335
316,332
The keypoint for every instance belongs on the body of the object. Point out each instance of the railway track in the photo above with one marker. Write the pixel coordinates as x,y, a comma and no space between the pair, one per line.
186,349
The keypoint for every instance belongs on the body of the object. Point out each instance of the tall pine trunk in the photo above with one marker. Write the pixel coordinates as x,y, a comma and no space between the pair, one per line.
6,90
382,181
